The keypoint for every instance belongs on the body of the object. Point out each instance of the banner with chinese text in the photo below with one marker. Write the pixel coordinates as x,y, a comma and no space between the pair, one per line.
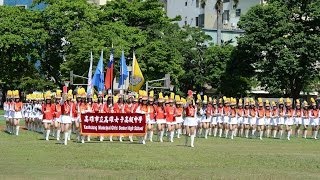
113,124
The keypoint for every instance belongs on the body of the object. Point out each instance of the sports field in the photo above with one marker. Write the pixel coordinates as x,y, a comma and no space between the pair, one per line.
29,157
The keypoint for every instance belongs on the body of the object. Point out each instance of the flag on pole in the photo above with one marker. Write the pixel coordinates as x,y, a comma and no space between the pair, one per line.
137,79
98,77
123,71
89,87
109,73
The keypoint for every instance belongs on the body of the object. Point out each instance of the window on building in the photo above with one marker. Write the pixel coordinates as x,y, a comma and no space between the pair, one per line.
197,21
238,12
22,6
186,3
201,20
185,20
225,15
197,3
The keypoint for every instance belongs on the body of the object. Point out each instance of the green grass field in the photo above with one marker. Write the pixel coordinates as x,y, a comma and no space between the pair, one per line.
29,157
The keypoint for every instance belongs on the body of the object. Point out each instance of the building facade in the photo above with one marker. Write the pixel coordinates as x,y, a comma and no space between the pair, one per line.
202,13
21,3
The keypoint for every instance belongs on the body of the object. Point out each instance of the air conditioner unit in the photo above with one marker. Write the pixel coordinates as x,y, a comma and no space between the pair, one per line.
225,22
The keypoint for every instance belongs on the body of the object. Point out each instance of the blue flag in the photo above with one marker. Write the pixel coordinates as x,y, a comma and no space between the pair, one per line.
98,77
123,70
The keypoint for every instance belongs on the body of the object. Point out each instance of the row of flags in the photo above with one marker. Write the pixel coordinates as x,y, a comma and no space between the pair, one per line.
105,81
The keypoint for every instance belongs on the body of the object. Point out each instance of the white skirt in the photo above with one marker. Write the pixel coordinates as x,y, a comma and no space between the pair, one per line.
260,121
298,120
233,120
274,121
240,120
289,121
190,121
280,121
179,120
151,121
171,123
206,119
47,121
314,122
18,115
226,119
161,121
267,121
58,119
253,121
214,120
65,119
11,114
306,121
245,120
219,119
6,114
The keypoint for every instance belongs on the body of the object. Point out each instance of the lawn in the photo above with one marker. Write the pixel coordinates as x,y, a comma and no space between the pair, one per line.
29,157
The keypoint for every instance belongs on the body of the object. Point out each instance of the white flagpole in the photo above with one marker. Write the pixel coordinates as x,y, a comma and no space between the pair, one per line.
89,88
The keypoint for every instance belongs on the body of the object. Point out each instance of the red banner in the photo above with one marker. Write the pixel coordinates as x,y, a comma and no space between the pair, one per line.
113,124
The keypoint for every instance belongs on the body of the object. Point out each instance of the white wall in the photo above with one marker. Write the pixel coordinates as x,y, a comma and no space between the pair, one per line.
1,2
188,13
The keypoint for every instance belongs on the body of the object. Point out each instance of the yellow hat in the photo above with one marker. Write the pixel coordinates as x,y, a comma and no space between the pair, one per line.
47,95
214,101
247,102
220,101
141,93
70,95
233,101
166,98
240,102
171,99
313,102
184,101
151,95
9,94
273,104
160,97
16,94
267,103
305,104
288,102
210,99
199,98
298,102
260,102
252,102
177,99
281,101
58,93
205,99
115,98
95,98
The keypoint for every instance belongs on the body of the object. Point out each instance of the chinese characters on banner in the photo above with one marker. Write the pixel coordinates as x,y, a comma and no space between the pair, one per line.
113,124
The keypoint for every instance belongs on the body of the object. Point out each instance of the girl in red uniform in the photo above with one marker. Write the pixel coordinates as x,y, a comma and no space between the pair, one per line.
48,113
179,115
65,117
143,109
190,121
17,112
57,114
160,117
170,112
150,116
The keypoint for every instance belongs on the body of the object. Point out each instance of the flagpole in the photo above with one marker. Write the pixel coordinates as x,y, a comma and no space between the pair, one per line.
132,70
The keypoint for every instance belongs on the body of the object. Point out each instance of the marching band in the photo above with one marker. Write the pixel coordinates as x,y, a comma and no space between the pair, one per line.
170,115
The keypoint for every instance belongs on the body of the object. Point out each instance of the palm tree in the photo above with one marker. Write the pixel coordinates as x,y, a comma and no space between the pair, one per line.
219,8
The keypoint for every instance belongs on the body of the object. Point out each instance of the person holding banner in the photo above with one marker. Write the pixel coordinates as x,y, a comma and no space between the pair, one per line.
160,117
128,108
48,113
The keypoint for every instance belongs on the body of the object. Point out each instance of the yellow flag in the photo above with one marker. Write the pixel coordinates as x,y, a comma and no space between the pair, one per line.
137,79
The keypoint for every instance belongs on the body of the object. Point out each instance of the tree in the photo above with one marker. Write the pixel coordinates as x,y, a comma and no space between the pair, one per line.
21,33
282,43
